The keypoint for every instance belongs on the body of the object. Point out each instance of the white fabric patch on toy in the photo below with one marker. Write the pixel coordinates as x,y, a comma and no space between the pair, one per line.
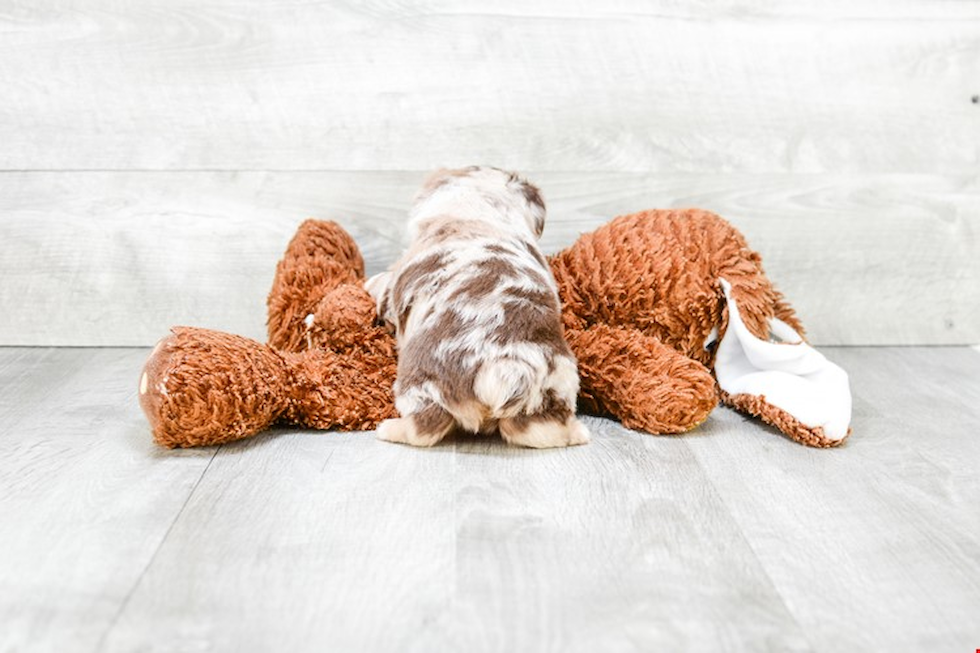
789,373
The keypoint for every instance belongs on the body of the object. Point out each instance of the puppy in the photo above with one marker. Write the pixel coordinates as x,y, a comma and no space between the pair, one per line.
476,315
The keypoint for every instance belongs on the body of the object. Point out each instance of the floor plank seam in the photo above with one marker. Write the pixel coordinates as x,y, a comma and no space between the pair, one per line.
156,551
755,554
454,479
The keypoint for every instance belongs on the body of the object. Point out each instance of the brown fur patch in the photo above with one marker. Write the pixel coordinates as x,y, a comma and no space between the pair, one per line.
534,199
543,298
417,365
536,253
553,409
432,420
497,268
479,286
525,322
532,194
411,276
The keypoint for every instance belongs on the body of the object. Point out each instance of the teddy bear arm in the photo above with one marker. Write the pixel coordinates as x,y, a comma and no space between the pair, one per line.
349,392
346,321
640,381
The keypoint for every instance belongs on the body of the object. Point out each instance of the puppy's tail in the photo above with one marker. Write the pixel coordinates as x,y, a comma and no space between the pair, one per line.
503,386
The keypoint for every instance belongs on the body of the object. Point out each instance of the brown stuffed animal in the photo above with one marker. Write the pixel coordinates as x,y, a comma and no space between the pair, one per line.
645,300
332,370
666,312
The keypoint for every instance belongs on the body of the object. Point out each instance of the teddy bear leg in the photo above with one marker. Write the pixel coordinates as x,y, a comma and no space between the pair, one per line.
201,387
425,428
641,381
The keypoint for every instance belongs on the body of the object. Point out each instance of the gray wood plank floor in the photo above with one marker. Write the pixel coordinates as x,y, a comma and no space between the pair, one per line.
729,539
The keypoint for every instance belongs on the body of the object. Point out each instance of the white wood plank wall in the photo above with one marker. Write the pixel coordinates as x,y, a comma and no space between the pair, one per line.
156,156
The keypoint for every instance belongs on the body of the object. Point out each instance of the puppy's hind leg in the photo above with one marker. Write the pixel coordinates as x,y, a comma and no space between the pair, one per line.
555,425
424,428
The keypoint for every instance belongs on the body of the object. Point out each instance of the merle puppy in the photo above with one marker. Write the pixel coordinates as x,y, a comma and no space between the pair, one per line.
476,315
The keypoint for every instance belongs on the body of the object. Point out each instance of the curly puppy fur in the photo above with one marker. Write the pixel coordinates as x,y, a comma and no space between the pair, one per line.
477,317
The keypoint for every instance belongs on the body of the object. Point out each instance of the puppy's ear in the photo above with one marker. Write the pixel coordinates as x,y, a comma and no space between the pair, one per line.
535,205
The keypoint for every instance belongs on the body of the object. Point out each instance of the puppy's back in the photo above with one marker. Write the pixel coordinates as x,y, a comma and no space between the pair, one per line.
480,331
477,316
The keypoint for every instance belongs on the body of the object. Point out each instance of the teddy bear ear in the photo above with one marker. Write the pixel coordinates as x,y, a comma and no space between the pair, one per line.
784,381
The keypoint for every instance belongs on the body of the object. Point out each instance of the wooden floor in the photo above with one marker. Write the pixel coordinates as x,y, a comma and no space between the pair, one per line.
729,539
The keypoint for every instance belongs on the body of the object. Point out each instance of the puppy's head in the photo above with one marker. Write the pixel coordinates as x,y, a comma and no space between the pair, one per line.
515,199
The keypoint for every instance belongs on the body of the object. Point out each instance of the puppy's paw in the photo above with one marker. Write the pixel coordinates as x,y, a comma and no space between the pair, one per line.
394,430
577,432
544,434
404,430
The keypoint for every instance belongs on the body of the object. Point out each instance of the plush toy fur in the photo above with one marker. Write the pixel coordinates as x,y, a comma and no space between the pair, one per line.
201,387
642,303
646,303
